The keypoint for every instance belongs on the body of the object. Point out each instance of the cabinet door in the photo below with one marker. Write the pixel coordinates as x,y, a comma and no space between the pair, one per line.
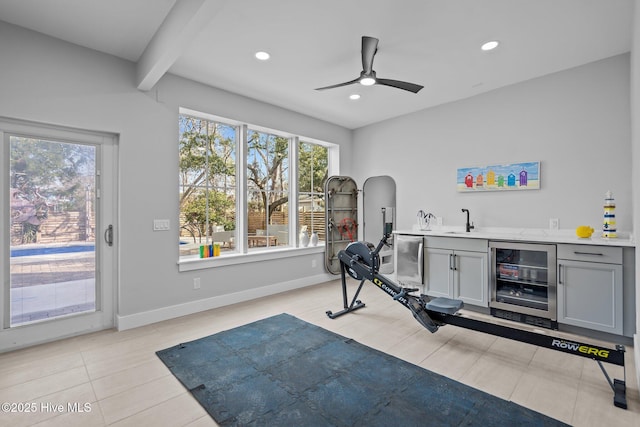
470,278
590,295
438,277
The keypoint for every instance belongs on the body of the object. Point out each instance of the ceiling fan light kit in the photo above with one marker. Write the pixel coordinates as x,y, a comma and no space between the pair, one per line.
368,75
367,81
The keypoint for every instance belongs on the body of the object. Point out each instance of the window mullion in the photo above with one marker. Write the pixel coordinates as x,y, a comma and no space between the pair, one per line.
242,212
207,189
294,214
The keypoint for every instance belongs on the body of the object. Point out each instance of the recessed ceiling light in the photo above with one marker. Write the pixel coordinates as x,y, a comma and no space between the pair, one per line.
354,96
262,56
367,81
490,45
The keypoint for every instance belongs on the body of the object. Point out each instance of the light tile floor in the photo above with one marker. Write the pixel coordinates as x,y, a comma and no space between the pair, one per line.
116,379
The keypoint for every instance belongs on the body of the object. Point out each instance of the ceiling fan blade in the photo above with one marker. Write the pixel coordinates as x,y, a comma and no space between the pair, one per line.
339,84
411,87
369,49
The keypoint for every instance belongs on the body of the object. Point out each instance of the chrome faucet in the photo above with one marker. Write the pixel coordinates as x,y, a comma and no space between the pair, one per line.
468,226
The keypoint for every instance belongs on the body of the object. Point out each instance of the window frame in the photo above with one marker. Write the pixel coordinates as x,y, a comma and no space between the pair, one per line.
242,254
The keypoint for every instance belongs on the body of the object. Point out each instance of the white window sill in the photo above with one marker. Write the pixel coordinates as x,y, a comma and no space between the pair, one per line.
191,264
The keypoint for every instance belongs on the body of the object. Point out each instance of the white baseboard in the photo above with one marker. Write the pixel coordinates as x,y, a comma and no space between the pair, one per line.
636,352
171,312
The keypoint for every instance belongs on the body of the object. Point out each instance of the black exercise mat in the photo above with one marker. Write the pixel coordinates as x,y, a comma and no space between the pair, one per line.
282,371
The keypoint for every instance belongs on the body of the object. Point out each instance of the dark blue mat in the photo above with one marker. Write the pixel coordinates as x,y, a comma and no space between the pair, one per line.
282,371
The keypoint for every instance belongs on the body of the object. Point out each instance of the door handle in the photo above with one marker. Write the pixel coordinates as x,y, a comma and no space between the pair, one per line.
108,235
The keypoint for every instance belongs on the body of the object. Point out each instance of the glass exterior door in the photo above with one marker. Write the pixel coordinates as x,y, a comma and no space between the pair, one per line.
58,211
52,229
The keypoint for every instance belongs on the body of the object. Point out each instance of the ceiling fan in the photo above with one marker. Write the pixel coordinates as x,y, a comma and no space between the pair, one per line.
368,76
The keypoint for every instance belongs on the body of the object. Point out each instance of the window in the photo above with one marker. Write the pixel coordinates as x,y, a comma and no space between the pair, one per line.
268,189
207,184
213,176
52,187
313,167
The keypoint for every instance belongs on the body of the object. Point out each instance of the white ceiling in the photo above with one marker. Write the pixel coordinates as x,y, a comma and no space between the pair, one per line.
435,43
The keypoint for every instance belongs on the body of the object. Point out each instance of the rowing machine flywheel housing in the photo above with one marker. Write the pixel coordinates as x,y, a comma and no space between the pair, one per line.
363,252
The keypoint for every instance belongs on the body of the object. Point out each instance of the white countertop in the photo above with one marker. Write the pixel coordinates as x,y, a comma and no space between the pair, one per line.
524,235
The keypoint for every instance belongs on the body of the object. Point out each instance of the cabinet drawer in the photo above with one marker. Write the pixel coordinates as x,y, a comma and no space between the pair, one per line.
457,243
589,253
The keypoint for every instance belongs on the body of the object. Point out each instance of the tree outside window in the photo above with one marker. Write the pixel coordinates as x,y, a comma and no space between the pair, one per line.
48,177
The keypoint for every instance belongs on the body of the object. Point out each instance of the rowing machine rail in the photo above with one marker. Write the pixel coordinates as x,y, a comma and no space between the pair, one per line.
360,261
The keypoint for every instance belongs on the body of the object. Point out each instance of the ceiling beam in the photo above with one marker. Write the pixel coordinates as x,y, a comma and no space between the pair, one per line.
183,22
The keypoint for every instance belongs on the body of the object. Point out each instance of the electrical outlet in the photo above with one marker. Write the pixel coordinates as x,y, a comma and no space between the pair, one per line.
314,263
196,283
160,224
553,224
439,220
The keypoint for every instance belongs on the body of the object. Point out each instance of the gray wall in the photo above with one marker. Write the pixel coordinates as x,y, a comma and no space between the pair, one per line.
49,81
575,122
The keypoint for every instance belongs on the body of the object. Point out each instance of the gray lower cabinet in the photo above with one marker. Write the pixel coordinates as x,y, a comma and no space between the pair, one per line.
590,287
457,268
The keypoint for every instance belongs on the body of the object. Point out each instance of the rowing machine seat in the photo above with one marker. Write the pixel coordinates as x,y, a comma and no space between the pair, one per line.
445,305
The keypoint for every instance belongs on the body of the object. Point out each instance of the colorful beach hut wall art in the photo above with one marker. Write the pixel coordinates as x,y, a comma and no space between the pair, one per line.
507,177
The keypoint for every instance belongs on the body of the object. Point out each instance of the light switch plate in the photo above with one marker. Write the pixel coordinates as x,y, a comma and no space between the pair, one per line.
160,224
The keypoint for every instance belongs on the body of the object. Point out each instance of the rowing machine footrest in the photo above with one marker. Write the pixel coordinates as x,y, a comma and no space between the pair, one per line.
445,305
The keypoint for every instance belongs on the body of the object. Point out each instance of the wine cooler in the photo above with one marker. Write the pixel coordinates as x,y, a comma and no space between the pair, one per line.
523,283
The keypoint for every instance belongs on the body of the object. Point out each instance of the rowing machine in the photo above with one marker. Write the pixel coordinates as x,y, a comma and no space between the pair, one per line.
361,261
